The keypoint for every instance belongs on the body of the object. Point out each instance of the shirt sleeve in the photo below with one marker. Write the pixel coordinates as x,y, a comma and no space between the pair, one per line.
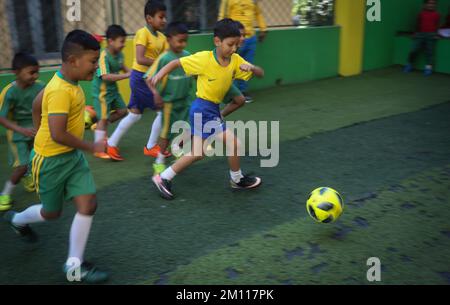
155,68
141,38
194,64
58,102
239,74
103,65
5,103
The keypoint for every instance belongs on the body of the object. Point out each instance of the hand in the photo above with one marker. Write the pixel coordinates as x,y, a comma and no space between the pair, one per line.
155,80
99,147
28,132
247,67
127,75
262,36
159,103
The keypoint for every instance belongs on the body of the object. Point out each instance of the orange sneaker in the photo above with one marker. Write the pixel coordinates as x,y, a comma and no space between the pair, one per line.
102,155
114,153
153,152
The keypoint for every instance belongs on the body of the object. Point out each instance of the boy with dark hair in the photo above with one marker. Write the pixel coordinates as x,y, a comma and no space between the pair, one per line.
215,72
149,43
16,115
428,25
60,170
105,91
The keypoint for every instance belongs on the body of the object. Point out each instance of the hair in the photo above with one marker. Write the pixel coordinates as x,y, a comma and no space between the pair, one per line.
154,6
240,25
176,28
115,31
22,60
78,41
226,28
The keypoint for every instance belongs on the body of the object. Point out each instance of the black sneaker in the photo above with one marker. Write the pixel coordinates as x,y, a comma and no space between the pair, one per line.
164,187
25,232
248,99
247,182
89,273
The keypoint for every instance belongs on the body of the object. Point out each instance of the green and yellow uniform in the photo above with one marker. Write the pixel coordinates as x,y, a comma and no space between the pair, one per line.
175,91
61,172
244,11
16,105
155,44
106,96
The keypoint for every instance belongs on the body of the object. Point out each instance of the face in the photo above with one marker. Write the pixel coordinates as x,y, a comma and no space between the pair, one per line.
158,22
431,5
178,42
85,64
28,75
117,44
228,46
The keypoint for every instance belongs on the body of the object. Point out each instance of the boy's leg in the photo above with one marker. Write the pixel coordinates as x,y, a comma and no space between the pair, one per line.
132,118
151,149
248,53
429,52
417,46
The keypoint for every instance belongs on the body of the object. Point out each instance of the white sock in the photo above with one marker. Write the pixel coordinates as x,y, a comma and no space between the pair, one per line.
156,130
79,234
99,135
9,187
168,174
161,158
236,176
30,215
123,127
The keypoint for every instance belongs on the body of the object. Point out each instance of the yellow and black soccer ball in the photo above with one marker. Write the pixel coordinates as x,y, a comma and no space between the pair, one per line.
325,205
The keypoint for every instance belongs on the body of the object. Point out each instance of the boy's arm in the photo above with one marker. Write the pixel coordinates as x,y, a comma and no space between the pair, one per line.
115,77
28,132
140,56
37,110
126,69
164,71
257,71
104,71
59,134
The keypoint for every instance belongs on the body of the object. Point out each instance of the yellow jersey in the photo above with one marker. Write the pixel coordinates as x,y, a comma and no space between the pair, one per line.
214,80
61,97
244,11
155,44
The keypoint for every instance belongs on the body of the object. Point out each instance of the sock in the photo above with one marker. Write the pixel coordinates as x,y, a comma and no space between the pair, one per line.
30,215
79,234
168,174
123,127
9,187
99,135
236,176
156,130
161,158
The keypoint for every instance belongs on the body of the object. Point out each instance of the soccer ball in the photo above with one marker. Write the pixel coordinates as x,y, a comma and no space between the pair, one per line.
325,205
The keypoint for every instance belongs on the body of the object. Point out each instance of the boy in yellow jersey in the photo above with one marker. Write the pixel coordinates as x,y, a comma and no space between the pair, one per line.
60,170
246,12
16,115
215,72
108,103
149,43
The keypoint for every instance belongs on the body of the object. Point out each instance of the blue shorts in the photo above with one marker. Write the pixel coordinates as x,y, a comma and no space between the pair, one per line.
211,122
141,96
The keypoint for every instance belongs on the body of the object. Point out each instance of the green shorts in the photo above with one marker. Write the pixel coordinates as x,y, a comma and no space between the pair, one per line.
173,112
231,94
19,151
60,178
105,105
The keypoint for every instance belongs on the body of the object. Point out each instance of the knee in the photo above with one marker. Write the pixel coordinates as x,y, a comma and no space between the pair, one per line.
122,113
50,215
134,117
89,209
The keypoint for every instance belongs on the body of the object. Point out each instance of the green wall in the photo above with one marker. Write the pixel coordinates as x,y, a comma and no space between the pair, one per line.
396,15
288,56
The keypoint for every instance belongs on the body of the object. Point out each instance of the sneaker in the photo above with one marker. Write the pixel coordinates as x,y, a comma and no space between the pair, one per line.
114,153
154,151
164,187
5,202
158,168
94,126
89,273
408,68
25,232
102,155
248,99
28,184
247,182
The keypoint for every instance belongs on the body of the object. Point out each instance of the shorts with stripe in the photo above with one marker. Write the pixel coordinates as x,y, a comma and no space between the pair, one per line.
173,112
19,151
60,178
105,103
